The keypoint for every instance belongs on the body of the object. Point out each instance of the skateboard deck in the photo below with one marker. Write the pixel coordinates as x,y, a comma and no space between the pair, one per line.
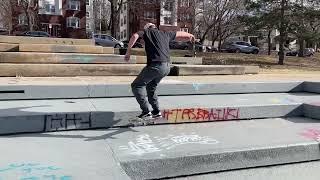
146,121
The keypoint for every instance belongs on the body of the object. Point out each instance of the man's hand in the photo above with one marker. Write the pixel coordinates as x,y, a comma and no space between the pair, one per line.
127,57
192,39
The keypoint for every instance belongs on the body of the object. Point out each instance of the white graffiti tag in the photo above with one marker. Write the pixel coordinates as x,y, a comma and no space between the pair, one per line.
145,144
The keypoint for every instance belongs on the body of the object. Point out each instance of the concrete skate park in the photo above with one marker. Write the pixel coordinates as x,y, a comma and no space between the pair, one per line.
78,128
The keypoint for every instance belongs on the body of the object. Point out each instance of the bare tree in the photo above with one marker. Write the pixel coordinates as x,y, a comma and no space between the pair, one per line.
30,9
102,14
218,18
6,13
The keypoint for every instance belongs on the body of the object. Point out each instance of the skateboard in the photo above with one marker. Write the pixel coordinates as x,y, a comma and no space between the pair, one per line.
146,121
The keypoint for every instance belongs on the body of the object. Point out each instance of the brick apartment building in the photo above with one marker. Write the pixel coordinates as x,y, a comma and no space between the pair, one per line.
60,18
170,15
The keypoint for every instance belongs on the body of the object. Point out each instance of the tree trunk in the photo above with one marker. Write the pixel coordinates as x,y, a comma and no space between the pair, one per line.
282,34
112,24
269,42
301,47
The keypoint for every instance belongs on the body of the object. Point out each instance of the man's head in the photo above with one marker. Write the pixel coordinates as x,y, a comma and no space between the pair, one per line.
149,25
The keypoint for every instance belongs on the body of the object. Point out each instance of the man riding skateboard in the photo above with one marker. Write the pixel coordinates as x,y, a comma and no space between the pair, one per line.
158,66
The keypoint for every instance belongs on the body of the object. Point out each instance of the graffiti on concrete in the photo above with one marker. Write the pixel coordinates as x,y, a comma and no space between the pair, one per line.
311,133
145,144
200,114
67,121
32,171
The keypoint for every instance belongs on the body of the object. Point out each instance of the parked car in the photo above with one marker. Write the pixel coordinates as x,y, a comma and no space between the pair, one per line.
35,34
136,45
187,45
307,52
239,47
107,41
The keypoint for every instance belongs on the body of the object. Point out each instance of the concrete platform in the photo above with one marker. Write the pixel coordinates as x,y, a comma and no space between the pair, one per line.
43,40
69,69
91,89
68,114
52,48
165,151
62,58
5,47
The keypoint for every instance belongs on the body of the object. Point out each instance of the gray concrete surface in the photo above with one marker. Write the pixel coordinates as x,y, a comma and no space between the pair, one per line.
86,89
166,151
295,171
174,60
68,156
312,110
185,70
312,87
69,114
169,151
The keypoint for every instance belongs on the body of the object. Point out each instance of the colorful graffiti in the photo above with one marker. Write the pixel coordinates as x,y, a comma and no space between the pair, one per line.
200,114
311,134
32,171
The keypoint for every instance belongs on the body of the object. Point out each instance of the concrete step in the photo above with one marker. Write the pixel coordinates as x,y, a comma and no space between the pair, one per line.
171,151
62,58
175,60
68,114
226,148
44,40
53,48
5,47
88,89
71,70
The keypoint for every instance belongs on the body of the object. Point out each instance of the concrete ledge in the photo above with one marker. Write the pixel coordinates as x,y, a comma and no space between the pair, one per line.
43,40
311,87
175,60
85,89
185,70
62,58
63,70
51,48
4,47
312,110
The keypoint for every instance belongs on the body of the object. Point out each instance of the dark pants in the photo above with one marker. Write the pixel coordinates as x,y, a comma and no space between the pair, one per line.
148,79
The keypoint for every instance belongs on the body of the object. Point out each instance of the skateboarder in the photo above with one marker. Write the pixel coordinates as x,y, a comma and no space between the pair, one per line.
158,66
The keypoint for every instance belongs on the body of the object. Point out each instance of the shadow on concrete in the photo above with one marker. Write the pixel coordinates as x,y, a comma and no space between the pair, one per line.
106,120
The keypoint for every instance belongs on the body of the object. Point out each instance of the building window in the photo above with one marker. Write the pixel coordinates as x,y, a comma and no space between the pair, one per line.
125,34
125,20
50,9
88,26
184,29
168,5
23,20
185,3
121,36
167,20
121,24
88,2
149,14
74,5
73,22
88,14
124,7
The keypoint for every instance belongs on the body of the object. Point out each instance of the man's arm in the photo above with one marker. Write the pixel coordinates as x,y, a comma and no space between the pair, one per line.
133,40
185,35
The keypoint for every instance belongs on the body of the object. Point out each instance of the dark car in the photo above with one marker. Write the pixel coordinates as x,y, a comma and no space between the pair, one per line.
107,41
187,45
35,34
239,47
136,45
